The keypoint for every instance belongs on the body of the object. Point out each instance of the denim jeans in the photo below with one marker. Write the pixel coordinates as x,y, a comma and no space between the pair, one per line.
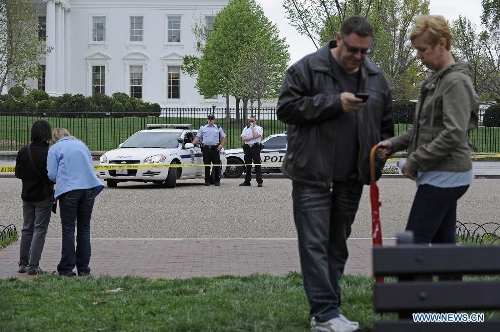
323,220
433,215
76,207
36,223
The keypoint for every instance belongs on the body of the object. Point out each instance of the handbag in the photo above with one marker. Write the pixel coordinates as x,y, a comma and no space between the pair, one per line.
50,187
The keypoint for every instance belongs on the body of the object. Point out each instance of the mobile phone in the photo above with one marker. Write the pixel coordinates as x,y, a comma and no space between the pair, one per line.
363,96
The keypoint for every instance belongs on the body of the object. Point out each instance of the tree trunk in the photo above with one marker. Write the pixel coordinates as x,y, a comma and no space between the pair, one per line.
237,109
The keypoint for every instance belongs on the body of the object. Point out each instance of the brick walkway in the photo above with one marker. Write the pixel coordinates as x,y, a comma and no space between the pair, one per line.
185,258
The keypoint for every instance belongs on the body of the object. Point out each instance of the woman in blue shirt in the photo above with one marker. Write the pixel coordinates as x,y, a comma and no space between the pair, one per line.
70,166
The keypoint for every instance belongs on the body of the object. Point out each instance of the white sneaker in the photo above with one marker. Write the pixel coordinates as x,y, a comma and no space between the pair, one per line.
333,325
344,319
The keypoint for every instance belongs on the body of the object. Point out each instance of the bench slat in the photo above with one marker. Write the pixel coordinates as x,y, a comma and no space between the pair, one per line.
440,296
405,260
409,326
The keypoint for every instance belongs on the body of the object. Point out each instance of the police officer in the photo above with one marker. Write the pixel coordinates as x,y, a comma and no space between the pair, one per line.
214,139
251,136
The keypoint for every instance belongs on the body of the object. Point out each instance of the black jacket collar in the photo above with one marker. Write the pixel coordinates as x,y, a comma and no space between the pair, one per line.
320,60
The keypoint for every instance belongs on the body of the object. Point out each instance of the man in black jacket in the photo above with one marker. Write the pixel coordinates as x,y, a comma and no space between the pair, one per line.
330,134
37,195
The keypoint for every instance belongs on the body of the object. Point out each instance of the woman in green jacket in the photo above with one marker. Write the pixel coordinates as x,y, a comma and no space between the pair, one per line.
439,154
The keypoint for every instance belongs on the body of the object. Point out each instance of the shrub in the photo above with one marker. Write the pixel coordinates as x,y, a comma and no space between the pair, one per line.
491,117
117,109
5,101
62,106
101,103
404,111
38,95
154,109
120,96
16,91
44,107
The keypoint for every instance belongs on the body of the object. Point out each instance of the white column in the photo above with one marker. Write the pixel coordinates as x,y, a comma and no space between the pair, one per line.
50,58
58,48
63,51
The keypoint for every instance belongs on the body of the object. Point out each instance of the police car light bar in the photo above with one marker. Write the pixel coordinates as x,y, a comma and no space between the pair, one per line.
168,126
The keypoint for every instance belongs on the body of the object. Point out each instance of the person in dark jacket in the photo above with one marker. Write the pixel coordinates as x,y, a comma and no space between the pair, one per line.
330,134
37,195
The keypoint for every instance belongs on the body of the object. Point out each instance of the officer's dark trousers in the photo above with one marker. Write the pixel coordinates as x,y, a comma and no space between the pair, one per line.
252,154
211,156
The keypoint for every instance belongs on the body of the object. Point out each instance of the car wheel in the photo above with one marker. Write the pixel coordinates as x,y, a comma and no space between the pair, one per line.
112,184
172,175
234,168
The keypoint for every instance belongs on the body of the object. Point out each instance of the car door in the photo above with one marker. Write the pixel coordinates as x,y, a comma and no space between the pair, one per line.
273,153
198,168
188,156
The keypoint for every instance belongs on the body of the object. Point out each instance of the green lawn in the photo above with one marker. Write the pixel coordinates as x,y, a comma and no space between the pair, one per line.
255,303
103,134
227,303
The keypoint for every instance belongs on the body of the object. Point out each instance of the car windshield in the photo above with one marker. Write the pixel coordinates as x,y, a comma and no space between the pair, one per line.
275,143
152,139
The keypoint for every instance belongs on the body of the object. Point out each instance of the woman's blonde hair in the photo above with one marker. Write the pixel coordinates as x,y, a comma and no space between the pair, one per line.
432,28
59,133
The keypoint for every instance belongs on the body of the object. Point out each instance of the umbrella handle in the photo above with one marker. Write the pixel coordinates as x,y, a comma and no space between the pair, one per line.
373,177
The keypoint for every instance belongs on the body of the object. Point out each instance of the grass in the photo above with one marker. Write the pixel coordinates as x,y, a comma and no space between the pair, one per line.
103,134
478,239
254,303
7,236
226,303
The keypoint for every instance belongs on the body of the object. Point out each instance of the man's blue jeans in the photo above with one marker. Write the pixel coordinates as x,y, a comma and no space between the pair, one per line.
323,220
433,215
76,207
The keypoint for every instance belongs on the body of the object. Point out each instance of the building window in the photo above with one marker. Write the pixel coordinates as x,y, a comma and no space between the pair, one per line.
209,23
98,28
174,82
98,80
42,27
174,29
136,28
41,78
136,82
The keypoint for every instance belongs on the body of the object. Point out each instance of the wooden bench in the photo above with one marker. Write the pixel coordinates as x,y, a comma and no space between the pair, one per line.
415,267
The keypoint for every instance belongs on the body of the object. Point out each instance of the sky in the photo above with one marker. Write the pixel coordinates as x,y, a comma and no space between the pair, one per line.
300,45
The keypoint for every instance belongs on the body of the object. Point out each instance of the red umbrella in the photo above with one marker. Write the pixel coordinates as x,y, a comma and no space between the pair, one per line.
375,202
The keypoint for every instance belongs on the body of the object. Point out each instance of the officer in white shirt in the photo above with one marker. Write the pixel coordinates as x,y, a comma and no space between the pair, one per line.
251,136
213,138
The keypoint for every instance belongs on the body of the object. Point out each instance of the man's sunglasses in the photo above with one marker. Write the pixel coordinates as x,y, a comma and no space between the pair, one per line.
354,50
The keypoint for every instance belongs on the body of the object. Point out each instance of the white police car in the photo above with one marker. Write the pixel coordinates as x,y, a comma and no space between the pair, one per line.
150,152
272,156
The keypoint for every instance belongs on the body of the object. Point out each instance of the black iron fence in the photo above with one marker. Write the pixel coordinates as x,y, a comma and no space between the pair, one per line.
103,131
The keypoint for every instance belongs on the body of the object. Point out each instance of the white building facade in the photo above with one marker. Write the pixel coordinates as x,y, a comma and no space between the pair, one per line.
130,46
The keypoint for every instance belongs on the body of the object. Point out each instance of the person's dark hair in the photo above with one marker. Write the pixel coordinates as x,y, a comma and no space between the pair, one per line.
41,130
358,25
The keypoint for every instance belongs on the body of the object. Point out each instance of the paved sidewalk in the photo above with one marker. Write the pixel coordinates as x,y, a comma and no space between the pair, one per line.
186,258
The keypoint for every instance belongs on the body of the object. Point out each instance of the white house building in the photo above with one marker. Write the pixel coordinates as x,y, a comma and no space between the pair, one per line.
136,47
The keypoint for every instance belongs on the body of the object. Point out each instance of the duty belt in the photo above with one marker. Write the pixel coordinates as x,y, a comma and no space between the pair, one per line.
251,145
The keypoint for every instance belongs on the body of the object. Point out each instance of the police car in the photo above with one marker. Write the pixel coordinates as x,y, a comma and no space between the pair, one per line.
272,156
147,155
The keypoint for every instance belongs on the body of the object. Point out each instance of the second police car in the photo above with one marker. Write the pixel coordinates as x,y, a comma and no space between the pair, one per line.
161,154
272,156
